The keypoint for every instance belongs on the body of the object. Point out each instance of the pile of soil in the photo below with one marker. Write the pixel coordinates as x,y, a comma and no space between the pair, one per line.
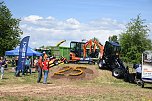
68,71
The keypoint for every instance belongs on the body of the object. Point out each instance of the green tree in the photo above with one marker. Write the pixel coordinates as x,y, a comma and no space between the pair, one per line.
113,38
9,30
135,40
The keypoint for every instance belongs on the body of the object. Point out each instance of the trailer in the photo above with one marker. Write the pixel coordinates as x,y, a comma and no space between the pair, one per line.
146,75
60,52
56,54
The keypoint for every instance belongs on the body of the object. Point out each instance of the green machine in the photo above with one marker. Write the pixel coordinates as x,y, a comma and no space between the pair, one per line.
59,52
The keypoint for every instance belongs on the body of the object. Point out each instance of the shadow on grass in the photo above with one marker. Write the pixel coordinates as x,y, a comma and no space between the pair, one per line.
147,87
5,78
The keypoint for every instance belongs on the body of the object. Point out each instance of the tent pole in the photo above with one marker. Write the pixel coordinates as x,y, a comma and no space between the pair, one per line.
32,60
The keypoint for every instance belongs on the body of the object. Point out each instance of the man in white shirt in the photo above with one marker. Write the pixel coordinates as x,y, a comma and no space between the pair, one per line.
137,67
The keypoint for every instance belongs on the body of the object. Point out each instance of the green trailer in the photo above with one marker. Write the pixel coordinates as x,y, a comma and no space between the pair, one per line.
58,52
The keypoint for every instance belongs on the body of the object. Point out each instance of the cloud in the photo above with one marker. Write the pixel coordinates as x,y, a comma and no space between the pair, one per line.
32,18
50,31
73,21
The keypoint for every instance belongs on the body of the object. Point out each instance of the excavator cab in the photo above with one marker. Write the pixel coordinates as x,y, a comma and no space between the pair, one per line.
77,48
76,53
85,52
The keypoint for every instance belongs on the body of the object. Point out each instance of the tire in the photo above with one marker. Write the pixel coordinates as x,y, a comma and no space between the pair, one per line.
118,73
56,62
100,64
65,61
131,78
126,77
90,62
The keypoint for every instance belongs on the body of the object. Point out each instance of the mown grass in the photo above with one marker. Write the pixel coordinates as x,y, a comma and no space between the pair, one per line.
9,78
103,97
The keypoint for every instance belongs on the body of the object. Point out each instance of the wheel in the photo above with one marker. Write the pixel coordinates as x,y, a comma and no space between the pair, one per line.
56,62
66,62
90,62
100,64
126,77
118,73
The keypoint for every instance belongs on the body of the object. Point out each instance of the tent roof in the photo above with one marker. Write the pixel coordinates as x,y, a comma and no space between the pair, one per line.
30,52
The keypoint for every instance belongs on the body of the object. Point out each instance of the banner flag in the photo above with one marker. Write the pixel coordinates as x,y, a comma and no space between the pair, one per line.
22,52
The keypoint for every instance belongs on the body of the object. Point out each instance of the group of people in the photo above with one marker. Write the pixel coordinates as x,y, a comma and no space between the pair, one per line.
26,68
43,65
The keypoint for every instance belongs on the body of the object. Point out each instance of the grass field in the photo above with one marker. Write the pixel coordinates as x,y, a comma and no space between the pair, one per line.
102,87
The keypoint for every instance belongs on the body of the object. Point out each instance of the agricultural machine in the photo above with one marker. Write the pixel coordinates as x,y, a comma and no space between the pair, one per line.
111,60
57,54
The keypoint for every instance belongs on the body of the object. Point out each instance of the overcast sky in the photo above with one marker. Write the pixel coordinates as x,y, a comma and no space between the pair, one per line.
50,21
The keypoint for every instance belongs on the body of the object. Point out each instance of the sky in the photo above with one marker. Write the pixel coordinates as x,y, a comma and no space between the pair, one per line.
51,21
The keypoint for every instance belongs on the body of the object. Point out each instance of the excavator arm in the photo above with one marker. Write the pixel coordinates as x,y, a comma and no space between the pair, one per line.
85,47
96,44
100,46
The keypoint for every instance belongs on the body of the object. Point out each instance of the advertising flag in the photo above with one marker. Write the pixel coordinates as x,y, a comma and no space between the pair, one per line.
22,52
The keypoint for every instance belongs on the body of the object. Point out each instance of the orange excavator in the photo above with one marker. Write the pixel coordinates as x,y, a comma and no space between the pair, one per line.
79,52
93,47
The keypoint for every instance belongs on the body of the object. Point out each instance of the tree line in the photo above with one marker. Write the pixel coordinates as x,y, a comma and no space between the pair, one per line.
134,40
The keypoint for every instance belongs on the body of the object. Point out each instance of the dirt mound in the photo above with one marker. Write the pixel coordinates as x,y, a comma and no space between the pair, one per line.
73,72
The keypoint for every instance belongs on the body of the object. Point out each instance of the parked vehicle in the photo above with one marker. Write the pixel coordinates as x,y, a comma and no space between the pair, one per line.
111,60
146,74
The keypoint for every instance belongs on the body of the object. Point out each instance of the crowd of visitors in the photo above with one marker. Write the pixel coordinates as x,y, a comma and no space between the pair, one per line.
40,63
41,66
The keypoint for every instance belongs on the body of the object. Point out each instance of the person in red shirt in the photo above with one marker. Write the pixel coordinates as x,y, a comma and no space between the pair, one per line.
45,70
39,69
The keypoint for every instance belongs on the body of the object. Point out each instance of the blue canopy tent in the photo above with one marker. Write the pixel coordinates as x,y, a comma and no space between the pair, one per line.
15,52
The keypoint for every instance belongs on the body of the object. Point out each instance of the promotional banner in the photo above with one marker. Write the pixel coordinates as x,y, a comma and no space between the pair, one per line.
22,52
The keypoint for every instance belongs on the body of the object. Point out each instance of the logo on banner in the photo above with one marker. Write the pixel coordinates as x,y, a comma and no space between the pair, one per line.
24,49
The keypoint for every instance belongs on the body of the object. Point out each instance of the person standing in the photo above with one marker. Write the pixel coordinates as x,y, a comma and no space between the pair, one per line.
36,64
45,70
39,69
17,72
2,65
27,66
44,56
13,62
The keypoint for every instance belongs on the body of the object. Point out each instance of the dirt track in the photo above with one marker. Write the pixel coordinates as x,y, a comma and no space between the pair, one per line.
39,90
